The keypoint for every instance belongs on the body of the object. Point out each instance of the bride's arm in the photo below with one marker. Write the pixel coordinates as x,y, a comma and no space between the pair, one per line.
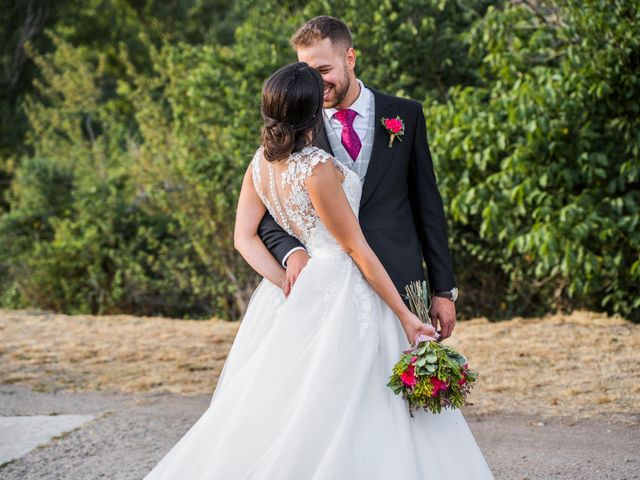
245,236
330,201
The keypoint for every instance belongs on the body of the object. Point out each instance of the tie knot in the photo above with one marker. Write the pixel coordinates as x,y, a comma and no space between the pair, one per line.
345,117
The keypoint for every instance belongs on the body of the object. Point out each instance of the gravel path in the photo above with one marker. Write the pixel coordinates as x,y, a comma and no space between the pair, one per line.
130,433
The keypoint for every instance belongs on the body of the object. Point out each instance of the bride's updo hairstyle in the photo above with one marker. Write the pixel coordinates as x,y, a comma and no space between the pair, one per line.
291,105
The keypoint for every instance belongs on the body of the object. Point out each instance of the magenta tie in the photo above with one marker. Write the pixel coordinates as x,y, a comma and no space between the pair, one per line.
350,138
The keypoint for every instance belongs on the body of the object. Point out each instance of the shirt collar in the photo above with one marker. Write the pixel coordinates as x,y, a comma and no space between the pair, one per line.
360,106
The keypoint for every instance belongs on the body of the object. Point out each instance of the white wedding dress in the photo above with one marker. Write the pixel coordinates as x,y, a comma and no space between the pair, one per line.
302,394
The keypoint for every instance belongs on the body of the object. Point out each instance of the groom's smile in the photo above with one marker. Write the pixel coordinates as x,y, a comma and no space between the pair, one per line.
327,93
336,66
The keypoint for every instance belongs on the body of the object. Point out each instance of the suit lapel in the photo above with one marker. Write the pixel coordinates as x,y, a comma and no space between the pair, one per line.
381,154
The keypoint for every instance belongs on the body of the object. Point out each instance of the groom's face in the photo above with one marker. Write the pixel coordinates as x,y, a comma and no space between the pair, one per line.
335,63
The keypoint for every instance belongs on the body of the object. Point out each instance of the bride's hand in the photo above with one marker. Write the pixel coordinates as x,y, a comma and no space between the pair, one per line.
412,326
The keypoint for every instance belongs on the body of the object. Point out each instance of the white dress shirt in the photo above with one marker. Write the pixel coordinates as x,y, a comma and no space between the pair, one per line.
360,122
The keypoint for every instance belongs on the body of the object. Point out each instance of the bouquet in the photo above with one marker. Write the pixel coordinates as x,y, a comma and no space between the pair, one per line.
430,375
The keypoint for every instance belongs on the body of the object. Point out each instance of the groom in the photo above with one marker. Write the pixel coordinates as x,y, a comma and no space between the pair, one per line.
401,211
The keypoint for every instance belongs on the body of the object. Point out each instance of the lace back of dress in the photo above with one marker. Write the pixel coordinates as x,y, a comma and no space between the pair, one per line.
281,187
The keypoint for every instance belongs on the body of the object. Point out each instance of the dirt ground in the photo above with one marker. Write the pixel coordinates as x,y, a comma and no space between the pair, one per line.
132,432
578,365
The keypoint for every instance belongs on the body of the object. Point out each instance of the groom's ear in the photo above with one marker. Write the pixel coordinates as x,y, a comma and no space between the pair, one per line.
350,56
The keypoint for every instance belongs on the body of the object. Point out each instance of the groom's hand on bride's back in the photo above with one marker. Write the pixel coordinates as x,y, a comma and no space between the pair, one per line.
295,263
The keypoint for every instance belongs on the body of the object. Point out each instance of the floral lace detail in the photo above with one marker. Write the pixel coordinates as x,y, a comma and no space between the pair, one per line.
286,197
284,193
299,208
364,296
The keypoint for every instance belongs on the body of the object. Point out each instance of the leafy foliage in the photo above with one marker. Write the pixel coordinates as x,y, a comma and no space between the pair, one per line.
542,158
129,125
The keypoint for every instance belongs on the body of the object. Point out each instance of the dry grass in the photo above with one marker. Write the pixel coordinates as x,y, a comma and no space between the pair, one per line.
116,352
576,365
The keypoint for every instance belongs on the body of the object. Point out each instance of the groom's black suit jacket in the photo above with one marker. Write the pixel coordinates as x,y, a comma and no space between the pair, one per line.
401,212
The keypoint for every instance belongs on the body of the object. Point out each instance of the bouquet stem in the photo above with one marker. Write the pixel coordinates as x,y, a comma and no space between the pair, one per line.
419,300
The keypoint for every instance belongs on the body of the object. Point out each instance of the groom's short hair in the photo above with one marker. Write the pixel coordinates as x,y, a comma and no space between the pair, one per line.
319,28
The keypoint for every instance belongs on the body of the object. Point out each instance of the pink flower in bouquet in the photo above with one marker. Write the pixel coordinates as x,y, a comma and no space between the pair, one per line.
413,359
409,377
438,386
394,125
463,380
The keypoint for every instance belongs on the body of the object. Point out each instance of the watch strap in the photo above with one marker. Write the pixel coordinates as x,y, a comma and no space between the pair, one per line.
450,294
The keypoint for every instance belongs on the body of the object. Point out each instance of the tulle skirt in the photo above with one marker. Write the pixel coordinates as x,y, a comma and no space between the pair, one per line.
303,395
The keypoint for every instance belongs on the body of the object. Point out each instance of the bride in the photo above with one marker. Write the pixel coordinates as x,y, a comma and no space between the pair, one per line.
302,394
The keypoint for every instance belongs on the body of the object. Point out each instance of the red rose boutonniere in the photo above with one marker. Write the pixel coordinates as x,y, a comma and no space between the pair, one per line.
395,127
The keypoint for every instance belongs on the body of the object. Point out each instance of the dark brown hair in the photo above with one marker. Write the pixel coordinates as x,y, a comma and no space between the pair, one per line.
291,106
319,28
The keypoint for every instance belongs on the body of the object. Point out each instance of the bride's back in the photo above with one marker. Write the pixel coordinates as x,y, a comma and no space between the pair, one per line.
281,187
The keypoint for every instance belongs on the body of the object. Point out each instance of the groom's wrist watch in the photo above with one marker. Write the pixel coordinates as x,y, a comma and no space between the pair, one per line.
450,294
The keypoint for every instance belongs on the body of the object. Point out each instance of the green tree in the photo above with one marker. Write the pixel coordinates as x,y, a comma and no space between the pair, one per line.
540,165
139,119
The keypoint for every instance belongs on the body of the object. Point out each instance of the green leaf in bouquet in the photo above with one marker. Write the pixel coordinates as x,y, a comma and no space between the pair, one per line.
458,357
396,389
430,367
421,362
431,358
451,362
472,375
